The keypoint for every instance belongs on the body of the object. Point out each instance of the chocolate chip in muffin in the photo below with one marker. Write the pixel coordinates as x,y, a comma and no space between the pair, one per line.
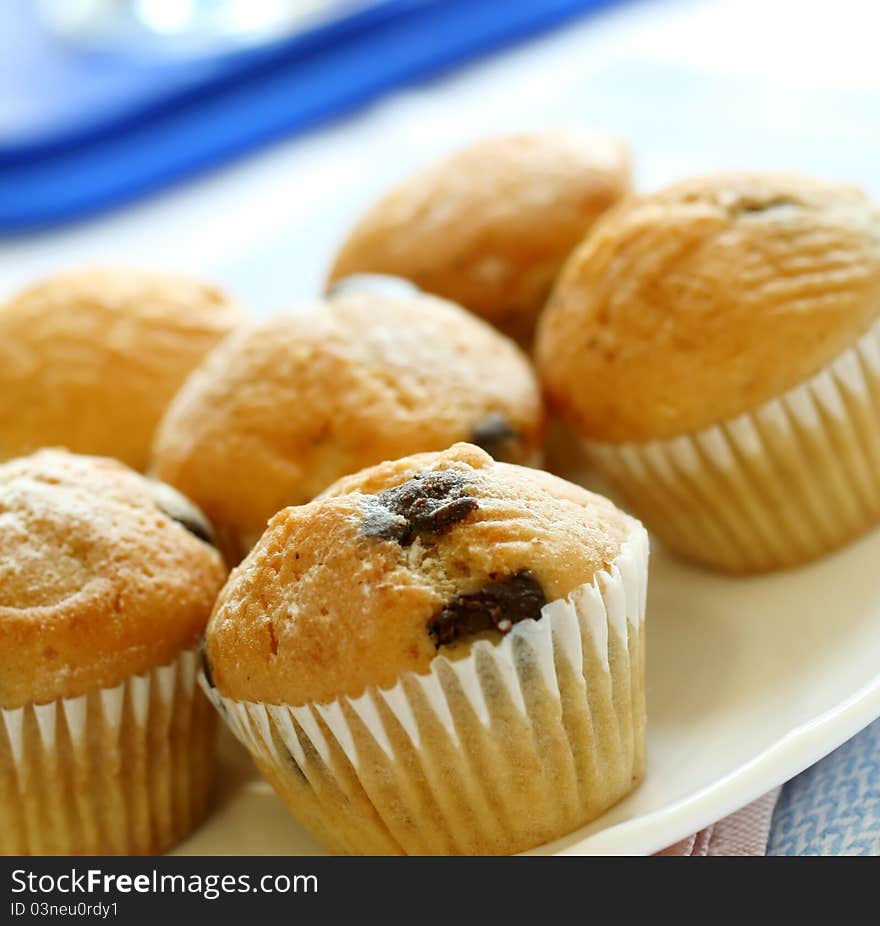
380,284
756,205
173,505
382,523
498,605
429,503
494,435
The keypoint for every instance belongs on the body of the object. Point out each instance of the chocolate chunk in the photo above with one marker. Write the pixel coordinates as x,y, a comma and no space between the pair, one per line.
382,523
173,505
498,605
494,435
429,503
764,205
197,526
380,284
206,666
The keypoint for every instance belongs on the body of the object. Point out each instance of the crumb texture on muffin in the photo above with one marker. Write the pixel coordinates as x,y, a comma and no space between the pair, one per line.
94,356
337,596
686,307
100,579
490,226
288,405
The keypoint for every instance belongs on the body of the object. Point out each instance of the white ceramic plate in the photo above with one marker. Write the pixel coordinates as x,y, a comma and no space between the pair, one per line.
749,682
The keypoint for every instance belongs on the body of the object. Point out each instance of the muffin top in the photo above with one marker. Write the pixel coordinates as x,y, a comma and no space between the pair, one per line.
286,406
397,563
103,574
490,226
95,356
687,307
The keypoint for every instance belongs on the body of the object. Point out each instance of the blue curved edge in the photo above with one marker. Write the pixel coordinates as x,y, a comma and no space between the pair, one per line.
291,88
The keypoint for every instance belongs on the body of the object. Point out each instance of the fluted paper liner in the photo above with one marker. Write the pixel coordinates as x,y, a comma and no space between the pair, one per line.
769,489
118,771
506,748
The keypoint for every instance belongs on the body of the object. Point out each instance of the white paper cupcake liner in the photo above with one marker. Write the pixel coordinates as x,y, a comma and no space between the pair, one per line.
499,751
117,771
772,488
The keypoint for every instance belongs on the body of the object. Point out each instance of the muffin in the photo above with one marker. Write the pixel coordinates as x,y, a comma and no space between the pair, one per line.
440,655
106,583
717,345
94,356
288,405
490,226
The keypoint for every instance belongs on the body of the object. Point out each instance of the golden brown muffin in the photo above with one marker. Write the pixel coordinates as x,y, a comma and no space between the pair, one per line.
288,405
454,620
94,356
103,575
704,325
106,583
348,584
490,226
691,305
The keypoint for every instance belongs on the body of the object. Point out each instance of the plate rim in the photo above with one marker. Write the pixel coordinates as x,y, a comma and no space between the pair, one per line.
797,750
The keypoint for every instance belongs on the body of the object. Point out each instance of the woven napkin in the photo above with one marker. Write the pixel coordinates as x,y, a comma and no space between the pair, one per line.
742,833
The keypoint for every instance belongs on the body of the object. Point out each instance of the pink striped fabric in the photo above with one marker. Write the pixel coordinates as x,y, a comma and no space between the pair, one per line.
742,833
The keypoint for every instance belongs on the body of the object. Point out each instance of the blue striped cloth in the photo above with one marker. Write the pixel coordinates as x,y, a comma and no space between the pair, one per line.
833,808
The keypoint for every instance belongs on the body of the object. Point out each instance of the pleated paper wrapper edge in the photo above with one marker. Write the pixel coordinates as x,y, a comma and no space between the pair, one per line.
117,771
769,489
499,751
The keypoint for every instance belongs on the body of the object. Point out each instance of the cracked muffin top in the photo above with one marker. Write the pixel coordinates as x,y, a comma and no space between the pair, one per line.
96,355
489,226
686,307
377,371
398,563
104,574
